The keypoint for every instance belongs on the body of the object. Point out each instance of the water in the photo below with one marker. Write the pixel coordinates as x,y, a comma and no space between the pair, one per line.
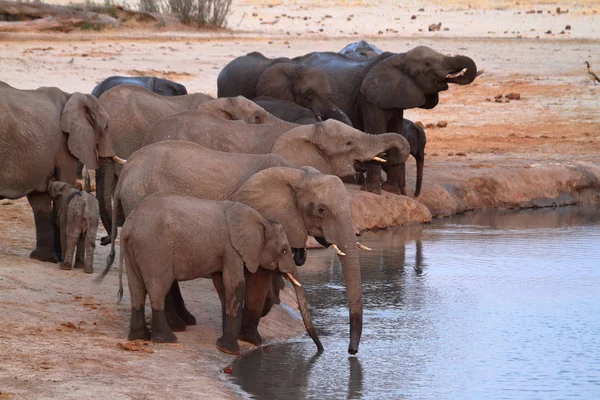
482,306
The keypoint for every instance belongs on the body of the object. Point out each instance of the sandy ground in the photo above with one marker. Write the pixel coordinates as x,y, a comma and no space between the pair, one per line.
60,333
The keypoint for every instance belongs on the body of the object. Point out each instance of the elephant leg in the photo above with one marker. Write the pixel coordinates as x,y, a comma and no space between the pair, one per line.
90,244
232,322
159,328
179,305
44,227
373,182
72,243
58,248
137,292
395,180
80,253
257,288
173,319
137,328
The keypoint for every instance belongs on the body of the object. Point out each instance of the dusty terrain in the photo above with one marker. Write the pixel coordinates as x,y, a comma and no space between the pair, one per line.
60,333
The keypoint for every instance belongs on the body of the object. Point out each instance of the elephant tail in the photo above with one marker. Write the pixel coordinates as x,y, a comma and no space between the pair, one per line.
116,203
121,257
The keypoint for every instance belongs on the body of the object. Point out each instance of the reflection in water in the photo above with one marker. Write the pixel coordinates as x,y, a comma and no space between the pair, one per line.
485,305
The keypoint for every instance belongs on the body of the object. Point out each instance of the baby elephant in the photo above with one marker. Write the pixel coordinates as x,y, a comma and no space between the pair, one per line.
78,215
171,238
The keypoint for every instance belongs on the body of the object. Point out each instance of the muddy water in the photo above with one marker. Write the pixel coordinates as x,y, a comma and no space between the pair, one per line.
481,306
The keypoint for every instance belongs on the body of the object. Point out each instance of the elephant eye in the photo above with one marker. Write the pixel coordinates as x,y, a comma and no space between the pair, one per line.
284,251
349,143
309,93
321,211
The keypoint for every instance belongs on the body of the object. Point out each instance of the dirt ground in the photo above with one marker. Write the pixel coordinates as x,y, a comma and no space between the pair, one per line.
60,334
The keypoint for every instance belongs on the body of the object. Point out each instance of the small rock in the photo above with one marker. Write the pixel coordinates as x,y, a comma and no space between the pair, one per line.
548,32
420,30
513,95
254,14
568,28
270,42
488,99
562,32
563,137
540,11
286,42
450,154
530,12
498,100
442,124
227,370
321,30
430,126
421,9
498,96
434,154
435,27
413,17
461,154
545,137
446,29
380,33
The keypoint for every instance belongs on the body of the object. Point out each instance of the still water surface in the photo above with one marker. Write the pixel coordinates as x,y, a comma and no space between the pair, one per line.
482,306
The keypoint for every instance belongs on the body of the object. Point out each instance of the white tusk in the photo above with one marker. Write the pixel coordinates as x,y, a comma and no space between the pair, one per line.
379,159
118,159
480,72
456,75
362,246
337,250
292,279
319,118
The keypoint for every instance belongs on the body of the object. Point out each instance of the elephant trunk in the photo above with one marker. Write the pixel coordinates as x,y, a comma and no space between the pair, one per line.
105,178
455,65
335,112
351,269
395,146
303,306
420,158
326,108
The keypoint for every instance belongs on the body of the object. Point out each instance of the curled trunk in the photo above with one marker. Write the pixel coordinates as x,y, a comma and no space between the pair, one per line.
457,63
395,146
335,112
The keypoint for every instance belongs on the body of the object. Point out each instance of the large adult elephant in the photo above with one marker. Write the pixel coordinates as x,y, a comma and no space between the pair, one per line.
302,200
161,86
361,50
254,75
331,147
287,110
133,110
375,92
43,133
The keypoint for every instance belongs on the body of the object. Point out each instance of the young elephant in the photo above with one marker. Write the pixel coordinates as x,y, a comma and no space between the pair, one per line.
78,222
170,237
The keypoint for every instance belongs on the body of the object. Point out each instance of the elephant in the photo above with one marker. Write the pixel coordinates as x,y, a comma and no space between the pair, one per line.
415,135
78,222
193,238
286,110
254,75
133,110
161,86
302,200
43,133
360,51
329,146
374,93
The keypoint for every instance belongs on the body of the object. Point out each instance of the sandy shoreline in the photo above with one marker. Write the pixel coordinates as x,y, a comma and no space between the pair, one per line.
59,332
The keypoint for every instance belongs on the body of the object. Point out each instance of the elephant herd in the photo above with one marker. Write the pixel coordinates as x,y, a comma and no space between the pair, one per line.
230,188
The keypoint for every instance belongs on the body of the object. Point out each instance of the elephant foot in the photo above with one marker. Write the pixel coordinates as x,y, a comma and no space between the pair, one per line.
66,266
45,255
175,322
186,316
105,240
228,346
250,335
87,269
391,187
371,187
138,329
160,331
79,265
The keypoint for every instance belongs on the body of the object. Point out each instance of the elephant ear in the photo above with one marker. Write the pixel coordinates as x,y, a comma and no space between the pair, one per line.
273,193
388,85
247,234
85,122
277,81
303,146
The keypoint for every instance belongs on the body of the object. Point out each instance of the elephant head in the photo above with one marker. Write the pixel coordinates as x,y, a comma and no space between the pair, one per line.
269,249
335,148
58,189
414,79
306,202
308,87
238,109
86,123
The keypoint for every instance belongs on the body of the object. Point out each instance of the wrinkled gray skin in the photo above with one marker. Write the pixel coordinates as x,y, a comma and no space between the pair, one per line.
330,146
286,110
360,51
374,93
78,221
222,240
161,86
43,133
303,201
415,135
254,75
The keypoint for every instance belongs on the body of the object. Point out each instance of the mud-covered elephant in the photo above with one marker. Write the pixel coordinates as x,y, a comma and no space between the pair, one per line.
361,50
331,146
192,238
43,133
78,221
254,75
161,86
286,110
302,200
374,93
